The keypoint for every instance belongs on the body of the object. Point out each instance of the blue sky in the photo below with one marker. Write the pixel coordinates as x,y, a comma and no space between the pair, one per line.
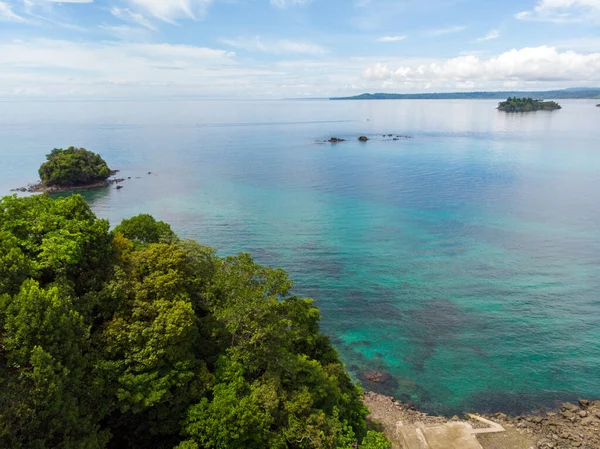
293,48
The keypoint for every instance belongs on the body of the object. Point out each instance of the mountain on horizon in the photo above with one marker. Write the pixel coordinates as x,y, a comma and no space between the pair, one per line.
561,94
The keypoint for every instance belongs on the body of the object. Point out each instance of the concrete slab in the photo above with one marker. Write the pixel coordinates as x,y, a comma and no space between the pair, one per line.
451,436
411,439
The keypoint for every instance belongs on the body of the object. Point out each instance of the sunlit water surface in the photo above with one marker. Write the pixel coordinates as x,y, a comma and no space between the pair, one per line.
464,261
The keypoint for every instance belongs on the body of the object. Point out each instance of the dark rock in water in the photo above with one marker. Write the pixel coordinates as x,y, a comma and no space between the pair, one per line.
129,177
119,187
598,105
410,405
390,135
336,140
363,138
395,138
376,376
149,172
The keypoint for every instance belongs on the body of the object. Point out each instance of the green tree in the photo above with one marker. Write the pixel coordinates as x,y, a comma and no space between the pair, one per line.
144,229
47,398
53,240
149,344
136,339
289,370
73,167
375,440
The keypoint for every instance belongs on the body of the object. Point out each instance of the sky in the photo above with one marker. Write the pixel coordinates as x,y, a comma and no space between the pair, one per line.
127,49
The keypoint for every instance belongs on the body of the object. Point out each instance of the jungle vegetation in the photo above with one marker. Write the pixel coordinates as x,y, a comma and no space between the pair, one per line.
135,338
514,104
73,167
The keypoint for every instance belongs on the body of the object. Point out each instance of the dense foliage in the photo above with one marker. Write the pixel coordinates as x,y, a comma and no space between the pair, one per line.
514,104
73,167
136,339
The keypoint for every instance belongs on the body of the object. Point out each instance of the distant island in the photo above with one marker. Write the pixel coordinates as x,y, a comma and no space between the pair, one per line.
514,104
572,93
72,169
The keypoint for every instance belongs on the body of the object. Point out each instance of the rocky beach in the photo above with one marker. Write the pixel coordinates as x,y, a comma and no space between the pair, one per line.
569,426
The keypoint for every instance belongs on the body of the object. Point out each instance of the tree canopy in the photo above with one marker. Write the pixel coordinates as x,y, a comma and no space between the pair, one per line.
514,104
73,167
133,338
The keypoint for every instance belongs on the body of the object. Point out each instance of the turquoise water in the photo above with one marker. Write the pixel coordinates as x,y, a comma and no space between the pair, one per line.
464,261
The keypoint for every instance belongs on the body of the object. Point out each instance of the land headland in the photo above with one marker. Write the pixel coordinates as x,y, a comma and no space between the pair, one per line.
572,93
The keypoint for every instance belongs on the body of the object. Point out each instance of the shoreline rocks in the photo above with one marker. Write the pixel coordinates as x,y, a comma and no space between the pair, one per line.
571,426
42,188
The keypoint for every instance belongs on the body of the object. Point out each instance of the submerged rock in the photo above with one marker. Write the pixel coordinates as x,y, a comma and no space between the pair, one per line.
336,140
376,376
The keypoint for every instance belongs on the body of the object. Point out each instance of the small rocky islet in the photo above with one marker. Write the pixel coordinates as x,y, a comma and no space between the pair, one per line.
364,139
73,169
514,104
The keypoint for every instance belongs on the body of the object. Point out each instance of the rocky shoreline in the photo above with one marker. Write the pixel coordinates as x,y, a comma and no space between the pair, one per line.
571,426
385,138
42,188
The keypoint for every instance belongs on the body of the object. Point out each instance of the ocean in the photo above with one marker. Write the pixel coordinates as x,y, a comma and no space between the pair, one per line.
463,258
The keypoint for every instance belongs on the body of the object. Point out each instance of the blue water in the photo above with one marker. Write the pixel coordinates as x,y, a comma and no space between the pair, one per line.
464,261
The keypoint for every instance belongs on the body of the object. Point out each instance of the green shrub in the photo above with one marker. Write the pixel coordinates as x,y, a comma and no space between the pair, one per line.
144,229
73,167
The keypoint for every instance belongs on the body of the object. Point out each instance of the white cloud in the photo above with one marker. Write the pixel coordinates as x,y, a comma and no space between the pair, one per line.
493,34
279,47
171,10
391,38
52,68
8,15
285,3
540,64
131,16
444,31
127,33
378,72
58,69
563,11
